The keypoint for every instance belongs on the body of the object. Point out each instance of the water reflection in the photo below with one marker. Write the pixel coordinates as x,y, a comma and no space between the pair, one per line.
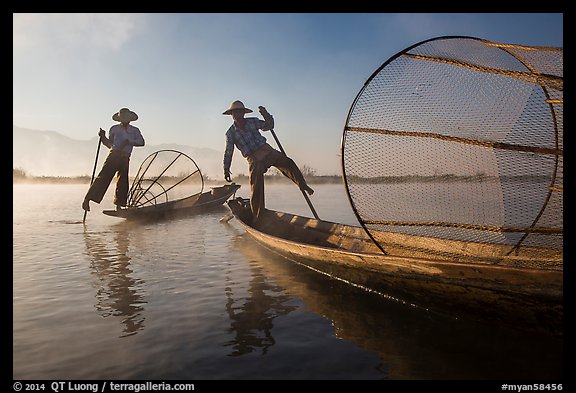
118,293
251,319
411,343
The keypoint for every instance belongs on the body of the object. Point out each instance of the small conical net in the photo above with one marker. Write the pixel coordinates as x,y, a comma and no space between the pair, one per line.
164,176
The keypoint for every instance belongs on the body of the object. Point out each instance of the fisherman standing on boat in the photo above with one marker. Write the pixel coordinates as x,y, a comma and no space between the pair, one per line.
245,135
121,138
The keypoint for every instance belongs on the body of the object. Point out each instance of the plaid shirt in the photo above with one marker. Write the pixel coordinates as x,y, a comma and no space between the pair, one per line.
247,140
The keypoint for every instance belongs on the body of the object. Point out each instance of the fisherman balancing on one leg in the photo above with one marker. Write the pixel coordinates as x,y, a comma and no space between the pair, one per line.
121,138
244,133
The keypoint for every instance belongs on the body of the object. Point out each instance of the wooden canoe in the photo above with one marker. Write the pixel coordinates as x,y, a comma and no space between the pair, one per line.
530,298
193,204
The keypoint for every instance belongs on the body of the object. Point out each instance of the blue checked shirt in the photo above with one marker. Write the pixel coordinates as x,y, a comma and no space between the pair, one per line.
247,140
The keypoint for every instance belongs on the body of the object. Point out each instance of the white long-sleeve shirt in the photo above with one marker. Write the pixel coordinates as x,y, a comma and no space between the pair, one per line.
118,134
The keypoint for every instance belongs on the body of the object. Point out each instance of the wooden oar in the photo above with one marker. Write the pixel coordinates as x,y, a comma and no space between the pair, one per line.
303,192
94,170
227,217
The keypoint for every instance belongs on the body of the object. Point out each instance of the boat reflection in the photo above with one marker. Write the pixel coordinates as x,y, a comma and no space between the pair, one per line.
118,293
412,343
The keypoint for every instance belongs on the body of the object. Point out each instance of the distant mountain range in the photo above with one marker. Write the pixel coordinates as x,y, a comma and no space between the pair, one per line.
48,153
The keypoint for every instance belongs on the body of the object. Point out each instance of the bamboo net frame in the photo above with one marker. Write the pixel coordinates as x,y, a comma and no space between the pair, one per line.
459,139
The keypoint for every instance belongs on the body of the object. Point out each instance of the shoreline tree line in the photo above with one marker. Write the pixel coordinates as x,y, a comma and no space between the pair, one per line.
19,175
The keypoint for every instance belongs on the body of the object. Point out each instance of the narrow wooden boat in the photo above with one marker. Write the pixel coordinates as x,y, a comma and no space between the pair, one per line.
412,343
517,291
194,204
169,184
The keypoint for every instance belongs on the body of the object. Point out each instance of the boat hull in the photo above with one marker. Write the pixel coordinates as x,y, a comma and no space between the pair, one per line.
186,206
529,298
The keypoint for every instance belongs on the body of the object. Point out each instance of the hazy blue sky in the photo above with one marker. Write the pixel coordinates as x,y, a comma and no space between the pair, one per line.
179,72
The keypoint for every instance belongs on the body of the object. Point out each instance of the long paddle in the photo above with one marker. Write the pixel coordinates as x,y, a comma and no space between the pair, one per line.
303,192
94,170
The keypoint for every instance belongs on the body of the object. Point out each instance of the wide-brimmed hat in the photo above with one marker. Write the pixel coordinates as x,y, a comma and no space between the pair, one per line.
124,115
235,106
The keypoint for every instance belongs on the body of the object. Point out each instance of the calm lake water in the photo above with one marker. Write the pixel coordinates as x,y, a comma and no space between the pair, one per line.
196,299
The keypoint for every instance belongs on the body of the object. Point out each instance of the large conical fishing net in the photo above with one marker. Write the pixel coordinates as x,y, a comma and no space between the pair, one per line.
164,176
453,150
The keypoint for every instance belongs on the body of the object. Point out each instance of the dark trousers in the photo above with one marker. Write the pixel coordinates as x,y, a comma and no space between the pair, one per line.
258,163
116,164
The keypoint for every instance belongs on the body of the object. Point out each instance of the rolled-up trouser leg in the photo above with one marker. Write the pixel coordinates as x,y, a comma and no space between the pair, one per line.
102,181
287,166
121,193
256,171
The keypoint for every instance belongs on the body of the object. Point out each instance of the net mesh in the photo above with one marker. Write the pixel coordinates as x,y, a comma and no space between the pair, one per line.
164,176
453,149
